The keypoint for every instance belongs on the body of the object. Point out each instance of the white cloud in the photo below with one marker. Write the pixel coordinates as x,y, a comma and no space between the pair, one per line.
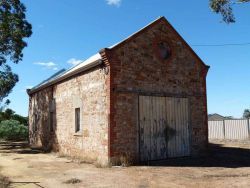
28,87
48,65
114,2
74,61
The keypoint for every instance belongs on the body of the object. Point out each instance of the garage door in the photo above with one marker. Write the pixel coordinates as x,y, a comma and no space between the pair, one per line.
164,127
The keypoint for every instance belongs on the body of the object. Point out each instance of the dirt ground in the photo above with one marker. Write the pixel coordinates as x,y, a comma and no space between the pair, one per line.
226,165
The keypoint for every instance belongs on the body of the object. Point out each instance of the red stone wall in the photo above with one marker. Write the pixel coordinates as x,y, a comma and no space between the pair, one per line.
136,69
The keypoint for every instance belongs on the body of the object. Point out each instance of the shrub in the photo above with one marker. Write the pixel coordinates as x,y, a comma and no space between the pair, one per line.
9,114
21,119
13,130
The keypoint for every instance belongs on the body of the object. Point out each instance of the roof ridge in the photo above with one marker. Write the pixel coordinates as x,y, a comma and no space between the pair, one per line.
136,33
96,58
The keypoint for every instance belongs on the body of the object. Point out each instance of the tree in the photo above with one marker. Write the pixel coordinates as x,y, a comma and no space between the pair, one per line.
13,29
9,114
7,81
224,7
229,117
246,113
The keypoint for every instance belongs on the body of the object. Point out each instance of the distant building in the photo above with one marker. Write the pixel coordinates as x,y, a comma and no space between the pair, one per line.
218,117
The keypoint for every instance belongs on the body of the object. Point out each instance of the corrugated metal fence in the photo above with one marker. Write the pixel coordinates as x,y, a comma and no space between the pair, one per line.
229,129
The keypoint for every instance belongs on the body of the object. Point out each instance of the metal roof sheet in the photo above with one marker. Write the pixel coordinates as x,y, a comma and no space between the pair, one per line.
63,74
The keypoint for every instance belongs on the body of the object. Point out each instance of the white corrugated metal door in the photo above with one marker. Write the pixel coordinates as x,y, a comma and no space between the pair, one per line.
164,127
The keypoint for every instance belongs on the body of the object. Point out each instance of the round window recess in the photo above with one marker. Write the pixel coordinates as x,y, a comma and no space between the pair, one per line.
164,50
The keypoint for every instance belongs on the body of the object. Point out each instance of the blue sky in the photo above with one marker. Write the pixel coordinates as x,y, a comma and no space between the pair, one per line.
65,32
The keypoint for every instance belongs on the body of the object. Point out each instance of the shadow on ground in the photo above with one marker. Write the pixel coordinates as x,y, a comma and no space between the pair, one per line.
18,147
217,156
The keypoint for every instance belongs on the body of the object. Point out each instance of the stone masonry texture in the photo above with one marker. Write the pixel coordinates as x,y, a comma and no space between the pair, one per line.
88,92
136,69
109,99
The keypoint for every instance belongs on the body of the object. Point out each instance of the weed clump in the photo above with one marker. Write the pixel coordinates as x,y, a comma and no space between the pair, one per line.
73,181
4,182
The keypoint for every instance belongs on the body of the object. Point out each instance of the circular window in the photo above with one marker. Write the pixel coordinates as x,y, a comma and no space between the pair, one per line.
163,50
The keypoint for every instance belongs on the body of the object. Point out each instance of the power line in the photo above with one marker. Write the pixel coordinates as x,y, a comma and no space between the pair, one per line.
227,44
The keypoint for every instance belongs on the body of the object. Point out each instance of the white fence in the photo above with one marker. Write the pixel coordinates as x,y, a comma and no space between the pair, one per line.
238,129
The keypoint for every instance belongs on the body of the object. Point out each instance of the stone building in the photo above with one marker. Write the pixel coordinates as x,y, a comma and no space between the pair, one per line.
143,98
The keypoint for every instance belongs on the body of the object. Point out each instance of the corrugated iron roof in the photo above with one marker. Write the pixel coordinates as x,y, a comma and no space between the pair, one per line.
63,74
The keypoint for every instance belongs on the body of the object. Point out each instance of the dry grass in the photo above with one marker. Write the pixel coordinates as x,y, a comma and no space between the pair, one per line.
4,182
126,160
77,159
227,176
73,181
100,165
226,165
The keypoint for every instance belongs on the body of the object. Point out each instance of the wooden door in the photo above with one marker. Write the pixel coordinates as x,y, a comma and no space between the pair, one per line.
164,127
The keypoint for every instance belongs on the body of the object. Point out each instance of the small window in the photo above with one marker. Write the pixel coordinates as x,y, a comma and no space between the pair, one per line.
164,50
77,120
35,124
51,126
51,114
